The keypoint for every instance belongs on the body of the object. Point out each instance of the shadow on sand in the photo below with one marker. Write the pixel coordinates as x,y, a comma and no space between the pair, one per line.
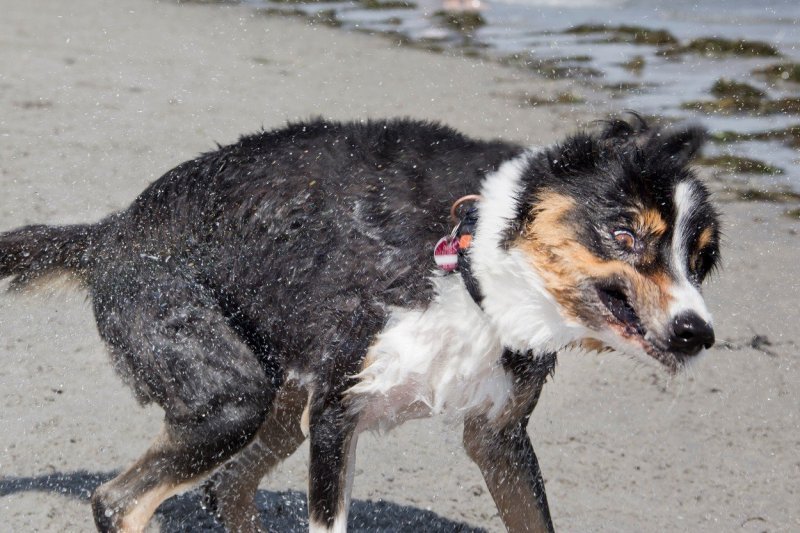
280,511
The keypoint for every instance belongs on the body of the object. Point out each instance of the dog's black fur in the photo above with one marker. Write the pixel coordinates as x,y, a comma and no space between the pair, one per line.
281,253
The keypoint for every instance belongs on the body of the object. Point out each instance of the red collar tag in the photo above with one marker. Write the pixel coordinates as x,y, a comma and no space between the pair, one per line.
445,253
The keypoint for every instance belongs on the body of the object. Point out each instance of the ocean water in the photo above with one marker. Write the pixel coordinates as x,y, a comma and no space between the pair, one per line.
535,29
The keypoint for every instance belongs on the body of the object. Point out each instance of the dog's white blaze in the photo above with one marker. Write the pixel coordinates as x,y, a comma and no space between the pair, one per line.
443,359
524,313
685,296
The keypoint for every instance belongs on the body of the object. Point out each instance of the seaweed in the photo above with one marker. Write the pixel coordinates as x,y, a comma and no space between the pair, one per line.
788,106
645,36
564,98
386,4
207,1
740,165
717,47
462,21
779,196
755,106
789,136
326,17
731,97
553,68
625,88
471,52
792,213
304,1
428,45
780,72
635,64
724,106
724,88
626,34
585,29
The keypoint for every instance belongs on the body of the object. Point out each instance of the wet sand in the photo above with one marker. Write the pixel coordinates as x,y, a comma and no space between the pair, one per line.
100,98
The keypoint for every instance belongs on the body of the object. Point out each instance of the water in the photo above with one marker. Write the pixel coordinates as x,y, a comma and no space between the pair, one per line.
534,28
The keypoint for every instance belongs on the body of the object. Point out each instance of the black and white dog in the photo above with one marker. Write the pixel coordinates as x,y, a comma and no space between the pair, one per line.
285,286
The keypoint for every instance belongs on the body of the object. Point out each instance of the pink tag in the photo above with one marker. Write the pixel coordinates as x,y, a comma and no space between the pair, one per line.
445,253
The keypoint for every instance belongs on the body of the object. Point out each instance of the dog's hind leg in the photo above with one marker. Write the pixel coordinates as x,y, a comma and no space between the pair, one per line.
333,421
331,466
169,338
231,490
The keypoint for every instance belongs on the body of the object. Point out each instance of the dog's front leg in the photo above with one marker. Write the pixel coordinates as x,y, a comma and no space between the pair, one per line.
331,466
509,466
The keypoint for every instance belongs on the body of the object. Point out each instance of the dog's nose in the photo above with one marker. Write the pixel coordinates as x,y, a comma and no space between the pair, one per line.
690,334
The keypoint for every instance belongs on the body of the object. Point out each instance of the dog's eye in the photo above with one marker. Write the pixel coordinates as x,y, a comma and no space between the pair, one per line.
626,239
702,262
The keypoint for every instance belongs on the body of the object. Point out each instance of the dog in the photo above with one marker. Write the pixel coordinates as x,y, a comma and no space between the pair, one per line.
329,278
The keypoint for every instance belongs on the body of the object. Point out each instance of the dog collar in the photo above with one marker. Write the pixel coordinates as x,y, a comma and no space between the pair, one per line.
450,252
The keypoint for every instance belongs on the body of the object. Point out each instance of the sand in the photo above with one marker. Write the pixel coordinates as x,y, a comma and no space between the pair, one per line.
97,99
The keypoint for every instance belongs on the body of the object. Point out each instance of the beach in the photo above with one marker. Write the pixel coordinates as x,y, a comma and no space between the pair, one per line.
100,98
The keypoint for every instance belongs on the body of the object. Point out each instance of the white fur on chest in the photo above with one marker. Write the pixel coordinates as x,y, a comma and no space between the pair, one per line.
443,359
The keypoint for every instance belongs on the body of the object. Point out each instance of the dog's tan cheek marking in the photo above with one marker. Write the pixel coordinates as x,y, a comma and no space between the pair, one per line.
563,262
558,257
543,240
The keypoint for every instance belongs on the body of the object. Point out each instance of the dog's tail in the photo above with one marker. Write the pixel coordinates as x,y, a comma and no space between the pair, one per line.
32,252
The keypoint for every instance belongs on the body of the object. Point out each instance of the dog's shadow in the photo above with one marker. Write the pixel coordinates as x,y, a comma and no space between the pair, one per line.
280,511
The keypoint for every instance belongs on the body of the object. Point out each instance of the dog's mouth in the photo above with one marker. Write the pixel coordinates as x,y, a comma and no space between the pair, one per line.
621,310
626,323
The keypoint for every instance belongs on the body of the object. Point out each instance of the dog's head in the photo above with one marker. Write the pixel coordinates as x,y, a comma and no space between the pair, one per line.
604,239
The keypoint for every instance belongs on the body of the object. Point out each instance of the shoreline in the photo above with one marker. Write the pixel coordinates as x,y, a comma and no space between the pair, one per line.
736,76
101,98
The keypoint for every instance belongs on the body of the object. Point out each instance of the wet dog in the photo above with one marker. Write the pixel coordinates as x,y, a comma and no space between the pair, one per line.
284,287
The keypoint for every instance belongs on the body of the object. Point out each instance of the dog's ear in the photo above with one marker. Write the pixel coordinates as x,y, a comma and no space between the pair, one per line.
680,145
619,130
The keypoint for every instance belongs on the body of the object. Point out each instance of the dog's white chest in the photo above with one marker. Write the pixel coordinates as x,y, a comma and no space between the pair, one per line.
444,359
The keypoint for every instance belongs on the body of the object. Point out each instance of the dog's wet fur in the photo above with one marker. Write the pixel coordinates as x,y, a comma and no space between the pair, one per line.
283,287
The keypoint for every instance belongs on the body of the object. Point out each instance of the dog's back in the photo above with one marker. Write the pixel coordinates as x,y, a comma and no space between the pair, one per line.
275,224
